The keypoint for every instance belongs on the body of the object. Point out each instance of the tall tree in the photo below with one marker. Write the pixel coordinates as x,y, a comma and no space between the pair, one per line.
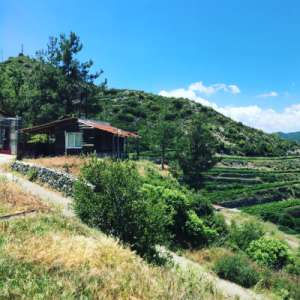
196,152
77,84
165,138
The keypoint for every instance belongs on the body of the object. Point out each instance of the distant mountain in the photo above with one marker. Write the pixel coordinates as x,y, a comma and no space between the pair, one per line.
291,136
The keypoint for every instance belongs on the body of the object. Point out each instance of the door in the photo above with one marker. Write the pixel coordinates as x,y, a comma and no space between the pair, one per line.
5,140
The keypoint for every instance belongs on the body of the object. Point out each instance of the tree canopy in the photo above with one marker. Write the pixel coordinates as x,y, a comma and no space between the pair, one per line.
52,84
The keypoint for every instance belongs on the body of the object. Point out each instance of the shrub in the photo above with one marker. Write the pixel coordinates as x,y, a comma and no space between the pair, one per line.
197,232
117,205
217,222
39,139
242,235
281,283
32,174
269,252
293,267
194,223
238,269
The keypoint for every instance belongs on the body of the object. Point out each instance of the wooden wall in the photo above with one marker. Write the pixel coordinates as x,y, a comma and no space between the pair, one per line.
94,140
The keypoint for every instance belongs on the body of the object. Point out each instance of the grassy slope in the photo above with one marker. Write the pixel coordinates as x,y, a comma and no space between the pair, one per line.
48,256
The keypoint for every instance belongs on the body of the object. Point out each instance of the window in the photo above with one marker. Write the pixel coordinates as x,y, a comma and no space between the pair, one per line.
73,140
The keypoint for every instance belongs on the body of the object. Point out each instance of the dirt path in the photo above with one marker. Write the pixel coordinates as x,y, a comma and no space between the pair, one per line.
43,193
229,289
35,189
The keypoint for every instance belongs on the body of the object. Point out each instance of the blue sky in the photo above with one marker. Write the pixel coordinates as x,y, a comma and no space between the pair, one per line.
244,56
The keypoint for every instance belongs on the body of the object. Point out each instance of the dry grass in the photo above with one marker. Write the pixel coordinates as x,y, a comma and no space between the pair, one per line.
70,164
144,165
48,256
207,256
13,199
106,270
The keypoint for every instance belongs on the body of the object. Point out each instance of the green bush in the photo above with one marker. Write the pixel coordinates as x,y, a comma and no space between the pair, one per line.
238,269
286,286
269,252
197,233
32,174
217,222
39,139
118,206
293,267
187,228
242,235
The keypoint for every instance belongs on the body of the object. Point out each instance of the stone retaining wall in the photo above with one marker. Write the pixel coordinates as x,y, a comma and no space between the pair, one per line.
60,181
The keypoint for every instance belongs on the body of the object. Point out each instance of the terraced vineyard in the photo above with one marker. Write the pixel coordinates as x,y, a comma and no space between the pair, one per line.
266,187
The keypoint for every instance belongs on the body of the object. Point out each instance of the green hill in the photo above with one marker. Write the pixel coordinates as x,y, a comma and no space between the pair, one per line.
291,136
40,92
140,111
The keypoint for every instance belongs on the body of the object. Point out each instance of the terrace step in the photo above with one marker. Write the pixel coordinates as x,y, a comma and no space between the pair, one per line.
234,179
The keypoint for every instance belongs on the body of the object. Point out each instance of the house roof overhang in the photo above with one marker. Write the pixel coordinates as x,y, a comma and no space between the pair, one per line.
4,113
49,127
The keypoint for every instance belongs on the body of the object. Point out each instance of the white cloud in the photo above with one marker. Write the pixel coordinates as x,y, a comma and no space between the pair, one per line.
267,95
214,88
189,94
268,119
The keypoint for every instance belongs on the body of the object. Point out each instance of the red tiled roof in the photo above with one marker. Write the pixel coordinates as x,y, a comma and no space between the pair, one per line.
108,128
98,125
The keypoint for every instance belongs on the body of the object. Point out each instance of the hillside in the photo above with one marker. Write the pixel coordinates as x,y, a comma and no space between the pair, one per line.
36,90
140,111
291,136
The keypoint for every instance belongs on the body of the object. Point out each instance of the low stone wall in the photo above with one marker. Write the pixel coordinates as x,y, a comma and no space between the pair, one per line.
60,181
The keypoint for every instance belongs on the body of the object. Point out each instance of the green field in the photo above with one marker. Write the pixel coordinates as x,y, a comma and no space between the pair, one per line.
266,187
284,213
